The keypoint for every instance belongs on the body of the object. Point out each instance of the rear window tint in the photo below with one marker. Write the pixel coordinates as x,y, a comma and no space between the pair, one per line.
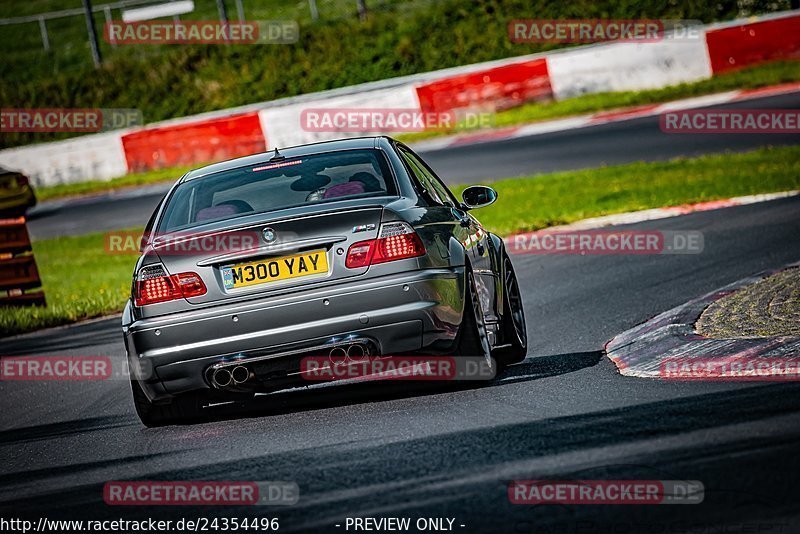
270,186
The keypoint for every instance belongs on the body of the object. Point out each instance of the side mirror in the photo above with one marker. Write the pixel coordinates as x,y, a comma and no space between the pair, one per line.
478,196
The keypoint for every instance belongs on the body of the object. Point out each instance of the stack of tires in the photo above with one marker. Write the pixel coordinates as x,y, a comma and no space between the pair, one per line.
19,278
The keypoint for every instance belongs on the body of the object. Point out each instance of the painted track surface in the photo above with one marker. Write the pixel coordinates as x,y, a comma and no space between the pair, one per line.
394,450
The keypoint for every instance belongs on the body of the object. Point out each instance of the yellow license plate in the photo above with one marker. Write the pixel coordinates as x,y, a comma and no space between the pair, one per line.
274,269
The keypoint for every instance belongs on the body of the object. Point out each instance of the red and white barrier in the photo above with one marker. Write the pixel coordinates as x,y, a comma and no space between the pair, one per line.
497,88
620,66
627,67
283,126
741,43
89,157
202,141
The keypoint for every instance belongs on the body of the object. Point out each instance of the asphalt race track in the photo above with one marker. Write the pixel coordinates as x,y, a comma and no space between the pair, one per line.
391,449
609,144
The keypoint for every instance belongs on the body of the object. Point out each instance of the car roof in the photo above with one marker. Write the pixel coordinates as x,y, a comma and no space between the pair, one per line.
288,152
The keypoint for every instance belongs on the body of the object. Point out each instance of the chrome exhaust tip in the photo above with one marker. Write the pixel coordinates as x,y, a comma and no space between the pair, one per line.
240,374
337,355
356,353
222,378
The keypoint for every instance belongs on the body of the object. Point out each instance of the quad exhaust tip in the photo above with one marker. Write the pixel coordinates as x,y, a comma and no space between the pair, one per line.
222,377
225,377
337,355
352,353
240,374
235,375
356,353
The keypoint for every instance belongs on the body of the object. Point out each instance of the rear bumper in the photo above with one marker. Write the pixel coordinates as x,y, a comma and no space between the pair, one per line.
399,313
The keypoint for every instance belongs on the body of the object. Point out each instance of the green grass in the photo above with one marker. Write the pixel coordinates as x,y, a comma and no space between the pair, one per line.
98,186
82,281
749,78
536,202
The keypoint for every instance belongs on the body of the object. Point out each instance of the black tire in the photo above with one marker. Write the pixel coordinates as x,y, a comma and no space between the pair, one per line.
185,408
472,338
515,336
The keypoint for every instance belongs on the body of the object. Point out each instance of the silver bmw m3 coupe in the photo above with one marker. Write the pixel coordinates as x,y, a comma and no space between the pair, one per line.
347,249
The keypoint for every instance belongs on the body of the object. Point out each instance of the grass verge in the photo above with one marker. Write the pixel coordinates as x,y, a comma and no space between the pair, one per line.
100,186
536,202
82,281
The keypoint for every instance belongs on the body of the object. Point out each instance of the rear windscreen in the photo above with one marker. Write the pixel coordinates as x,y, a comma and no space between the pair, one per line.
276,185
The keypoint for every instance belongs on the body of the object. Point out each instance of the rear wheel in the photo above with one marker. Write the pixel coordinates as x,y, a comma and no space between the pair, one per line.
515,336
183,408
472,338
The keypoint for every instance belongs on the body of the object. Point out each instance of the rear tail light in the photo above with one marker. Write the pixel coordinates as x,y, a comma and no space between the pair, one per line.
359,254
396,241
22,180
153,285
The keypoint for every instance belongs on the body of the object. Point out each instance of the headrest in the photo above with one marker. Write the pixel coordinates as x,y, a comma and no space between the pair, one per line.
343,190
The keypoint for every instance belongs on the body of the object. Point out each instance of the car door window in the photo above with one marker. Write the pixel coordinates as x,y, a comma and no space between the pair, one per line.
442,192
422,175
